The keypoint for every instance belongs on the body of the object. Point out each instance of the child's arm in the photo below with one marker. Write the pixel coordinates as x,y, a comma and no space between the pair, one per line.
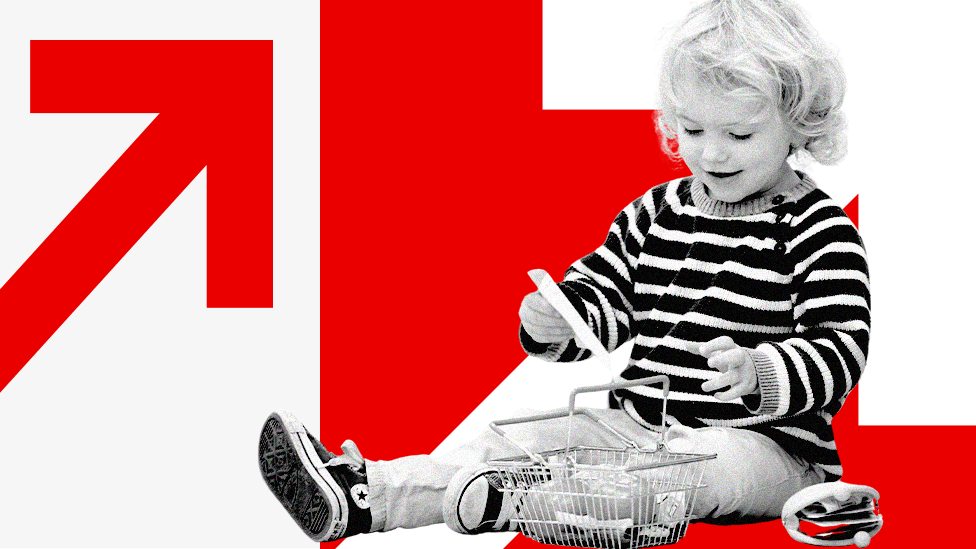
599,286
823,361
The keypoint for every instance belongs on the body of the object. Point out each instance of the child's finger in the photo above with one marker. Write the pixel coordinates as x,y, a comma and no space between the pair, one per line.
545,322
733,393
538,304
541,322
530,315
701,348
727,379
548,327
723,343
546,334
723,360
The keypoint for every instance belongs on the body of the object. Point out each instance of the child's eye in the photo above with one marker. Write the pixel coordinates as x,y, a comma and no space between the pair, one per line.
741,136
691,132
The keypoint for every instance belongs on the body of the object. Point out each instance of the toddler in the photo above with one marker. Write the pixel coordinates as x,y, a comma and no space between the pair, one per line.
745,284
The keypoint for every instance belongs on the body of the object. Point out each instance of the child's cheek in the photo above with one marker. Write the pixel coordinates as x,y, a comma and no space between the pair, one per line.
689,151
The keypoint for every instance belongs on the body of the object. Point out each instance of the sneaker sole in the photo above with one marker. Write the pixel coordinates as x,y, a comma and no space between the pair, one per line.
290,467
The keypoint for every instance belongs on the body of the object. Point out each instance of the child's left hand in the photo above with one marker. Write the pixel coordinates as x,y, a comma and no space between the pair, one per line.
738,370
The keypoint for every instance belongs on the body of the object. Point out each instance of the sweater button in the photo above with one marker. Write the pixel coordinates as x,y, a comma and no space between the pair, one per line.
780,216
778,199
780,247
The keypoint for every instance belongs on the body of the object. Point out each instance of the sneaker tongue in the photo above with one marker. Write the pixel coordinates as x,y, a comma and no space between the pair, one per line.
351,456
349,448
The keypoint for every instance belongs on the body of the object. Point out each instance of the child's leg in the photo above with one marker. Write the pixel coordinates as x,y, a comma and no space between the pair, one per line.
751,478
332,497
327,495
409,492
473,503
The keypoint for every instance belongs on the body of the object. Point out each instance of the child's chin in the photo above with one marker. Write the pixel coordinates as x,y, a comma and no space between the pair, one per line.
723,195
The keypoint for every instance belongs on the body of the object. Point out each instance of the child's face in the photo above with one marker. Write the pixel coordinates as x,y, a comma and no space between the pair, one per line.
736,147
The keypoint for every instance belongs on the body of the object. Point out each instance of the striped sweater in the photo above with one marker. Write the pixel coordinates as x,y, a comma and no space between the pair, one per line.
785,276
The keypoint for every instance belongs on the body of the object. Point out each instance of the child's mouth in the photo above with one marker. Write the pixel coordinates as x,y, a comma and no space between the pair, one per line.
722,175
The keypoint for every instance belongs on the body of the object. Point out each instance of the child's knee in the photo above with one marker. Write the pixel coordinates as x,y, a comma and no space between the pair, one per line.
750,477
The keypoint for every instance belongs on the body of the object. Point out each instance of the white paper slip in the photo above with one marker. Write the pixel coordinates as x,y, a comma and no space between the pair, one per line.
584,336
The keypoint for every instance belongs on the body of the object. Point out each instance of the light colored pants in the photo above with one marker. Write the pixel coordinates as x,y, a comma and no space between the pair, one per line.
749,481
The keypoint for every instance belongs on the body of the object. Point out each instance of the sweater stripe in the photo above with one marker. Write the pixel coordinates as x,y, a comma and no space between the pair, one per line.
674,265
826,378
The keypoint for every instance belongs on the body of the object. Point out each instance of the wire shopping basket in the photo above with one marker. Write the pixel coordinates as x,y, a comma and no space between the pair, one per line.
581,496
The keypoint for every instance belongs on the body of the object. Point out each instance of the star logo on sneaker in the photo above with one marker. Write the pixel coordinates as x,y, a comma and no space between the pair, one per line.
360,495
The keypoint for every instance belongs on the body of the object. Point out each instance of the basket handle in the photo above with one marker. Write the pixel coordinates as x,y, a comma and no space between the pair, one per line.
496,425
665,386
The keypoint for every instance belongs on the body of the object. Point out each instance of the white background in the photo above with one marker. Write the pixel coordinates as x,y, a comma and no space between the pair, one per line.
136,424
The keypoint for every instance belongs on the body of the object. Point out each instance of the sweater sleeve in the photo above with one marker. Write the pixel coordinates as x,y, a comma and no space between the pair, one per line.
822,361
600,286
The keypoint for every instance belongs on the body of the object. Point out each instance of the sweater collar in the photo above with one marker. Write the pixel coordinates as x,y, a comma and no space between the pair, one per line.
749,206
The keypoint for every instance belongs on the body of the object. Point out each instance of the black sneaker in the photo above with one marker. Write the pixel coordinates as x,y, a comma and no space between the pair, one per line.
475,503
327,495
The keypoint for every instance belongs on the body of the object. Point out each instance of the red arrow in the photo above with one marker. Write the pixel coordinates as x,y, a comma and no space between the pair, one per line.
216,111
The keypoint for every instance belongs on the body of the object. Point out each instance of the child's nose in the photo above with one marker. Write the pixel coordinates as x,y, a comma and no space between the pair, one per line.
714,151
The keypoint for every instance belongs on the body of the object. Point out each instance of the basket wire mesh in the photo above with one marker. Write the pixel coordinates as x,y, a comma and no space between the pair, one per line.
582,496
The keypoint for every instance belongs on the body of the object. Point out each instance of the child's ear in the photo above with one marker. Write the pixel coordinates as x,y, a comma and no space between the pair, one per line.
799,142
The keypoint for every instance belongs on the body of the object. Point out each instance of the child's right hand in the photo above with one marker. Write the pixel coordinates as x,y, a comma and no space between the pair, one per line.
541,320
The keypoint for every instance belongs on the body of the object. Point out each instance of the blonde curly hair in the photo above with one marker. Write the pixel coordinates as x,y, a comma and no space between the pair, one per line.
763,49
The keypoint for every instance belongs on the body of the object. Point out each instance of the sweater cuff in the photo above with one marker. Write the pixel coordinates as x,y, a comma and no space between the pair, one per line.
768,399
